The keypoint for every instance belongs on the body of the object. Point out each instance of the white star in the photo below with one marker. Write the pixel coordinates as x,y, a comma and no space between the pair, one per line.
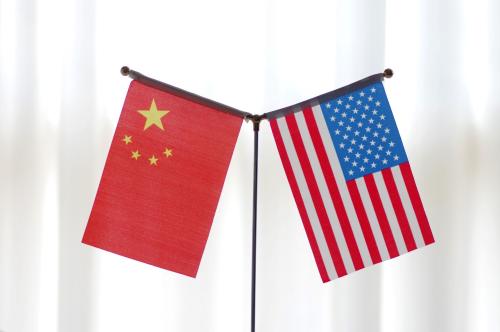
353,141
339,102
371,120
336,110
358,102
365,159
387,130
373,90
362,168
337,132
372,142
377,156
382,117
354,164
351,172
332,118
367,107
361,146
346,158
384,161
396,157
380,147
355,111
368,129
379,125
373,165
347,106
348,128
388,152
351,97
374,112
356,133
370,98
341,123
375,134
384,139
345,136
362,94
349,150
363,115
360,124
377,103
328,105
369,151
391,144
344,114
364,137
358,155
342,145
351,119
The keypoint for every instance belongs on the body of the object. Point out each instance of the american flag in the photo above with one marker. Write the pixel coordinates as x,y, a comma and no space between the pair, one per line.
351,180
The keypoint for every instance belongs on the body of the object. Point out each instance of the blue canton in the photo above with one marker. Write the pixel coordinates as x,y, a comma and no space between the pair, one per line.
364,131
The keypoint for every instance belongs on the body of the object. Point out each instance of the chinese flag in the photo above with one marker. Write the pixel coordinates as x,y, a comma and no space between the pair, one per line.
162,179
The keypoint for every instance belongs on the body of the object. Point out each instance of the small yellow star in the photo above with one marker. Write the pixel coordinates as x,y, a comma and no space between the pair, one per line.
127,139
153,116
168,152
153,160
135,154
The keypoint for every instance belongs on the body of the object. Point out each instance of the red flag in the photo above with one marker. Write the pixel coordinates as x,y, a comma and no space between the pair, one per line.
162,179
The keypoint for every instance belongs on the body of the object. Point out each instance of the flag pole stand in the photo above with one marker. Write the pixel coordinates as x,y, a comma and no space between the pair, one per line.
256,119
256,125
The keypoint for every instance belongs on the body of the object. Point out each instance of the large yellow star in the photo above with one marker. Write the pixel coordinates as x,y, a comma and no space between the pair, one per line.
153,116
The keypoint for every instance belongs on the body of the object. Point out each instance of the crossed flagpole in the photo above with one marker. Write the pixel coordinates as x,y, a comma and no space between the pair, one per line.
255,119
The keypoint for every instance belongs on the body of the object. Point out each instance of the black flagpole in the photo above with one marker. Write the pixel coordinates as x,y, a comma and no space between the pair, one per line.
256,124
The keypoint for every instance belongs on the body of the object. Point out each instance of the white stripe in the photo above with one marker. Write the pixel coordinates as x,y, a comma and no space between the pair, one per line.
372,219
390,213
325,195
410,213
306,197
342,185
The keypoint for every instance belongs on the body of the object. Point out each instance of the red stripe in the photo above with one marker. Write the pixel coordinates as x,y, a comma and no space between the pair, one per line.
363,221
411,186
333,189
316,197
382,218
298,199
404,225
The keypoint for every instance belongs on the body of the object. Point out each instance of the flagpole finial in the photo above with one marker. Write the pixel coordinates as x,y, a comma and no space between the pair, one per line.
125,71
388,73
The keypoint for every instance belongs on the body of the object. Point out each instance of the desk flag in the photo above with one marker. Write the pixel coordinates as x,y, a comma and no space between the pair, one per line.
162,179
351,179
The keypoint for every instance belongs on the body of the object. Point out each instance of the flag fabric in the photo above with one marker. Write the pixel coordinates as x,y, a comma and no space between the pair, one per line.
351,179
162,179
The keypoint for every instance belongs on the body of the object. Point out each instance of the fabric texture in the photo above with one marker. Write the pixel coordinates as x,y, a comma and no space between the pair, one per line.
351,180
162,179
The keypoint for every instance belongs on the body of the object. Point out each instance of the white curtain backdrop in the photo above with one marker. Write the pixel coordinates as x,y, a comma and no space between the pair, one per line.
60,97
